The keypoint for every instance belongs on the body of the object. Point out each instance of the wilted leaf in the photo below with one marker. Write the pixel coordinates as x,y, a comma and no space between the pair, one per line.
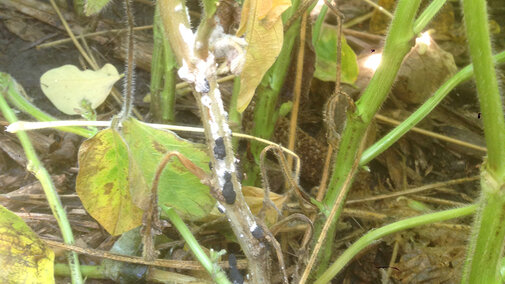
254,198
102,182
67,86
262,24
24,258
178,188
326,58
94,6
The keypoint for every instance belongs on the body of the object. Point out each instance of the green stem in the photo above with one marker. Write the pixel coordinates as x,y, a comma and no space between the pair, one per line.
88,271
163,69
398,44
477,29
374,235
385,142
36,167
488,237
213,269
428,14
16,95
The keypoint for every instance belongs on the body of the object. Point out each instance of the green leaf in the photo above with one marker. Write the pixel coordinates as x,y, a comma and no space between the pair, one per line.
67,86
24,258
94,6
102,182
178,188
326,57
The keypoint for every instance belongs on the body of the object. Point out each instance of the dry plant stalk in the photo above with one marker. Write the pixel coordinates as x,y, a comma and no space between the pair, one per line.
198,67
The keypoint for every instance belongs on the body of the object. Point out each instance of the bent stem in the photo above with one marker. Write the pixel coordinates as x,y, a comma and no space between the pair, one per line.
38,170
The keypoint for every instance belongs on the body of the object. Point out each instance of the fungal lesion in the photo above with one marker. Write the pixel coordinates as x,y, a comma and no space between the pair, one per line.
219,148
229,193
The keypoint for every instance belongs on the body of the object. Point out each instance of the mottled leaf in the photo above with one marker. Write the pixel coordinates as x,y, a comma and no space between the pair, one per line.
24,258
262,25
102,182
326,57
67,86
178,188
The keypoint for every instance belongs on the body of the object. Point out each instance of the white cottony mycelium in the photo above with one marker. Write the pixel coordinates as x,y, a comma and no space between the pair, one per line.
186,74
188,36
230,47
178,8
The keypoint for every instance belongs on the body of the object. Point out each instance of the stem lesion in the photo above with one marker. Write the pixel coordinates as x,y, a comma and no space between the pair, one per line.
198,67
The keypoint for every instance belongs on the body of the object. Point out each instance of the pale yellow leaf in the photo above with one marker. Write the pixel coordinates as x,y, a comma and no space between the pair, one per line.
254,197
263,29
24,258
272,11
67,86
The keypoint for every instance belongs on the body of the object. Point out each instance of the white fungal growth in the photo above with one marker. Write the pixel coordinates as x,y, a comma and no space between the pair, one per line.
188,36
221,207
230,47
178,8
253,227
184,72
206,101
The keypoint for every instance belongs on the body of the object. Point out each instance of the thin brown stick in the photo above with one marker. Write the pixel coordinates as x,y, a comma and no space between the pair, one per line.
414,190
302,8
298,89
177,264
433,134
66,40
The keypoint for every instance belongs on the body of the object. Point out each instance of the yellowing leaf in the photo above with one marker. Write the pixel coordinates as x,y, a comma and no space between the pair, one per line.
254,198
262,24
24,258
102,182
67,86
